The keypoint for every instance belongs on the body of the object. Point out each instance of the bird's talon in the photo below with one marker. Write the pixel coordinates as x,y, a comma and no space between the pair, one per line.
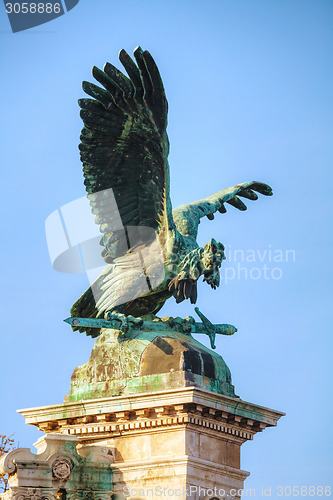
122,322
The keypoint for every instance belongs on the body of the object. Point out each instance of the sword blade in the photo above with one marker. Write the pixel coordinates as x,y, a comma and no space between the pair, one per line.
221,329
90,322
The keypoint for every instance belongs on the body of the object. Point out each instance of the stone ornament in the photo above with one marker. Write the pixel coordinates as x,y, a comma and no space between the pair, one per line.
57,463
21,493
61,469
29,493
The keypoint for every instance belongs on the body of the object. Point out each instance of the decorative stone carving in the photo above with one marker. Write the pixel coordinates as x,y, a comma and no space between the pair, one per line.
61,469
8,461
58,466
20,493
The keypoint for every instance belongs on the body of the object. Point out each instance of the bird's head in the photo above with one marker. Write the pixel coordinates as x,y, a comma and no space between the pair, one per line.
212,258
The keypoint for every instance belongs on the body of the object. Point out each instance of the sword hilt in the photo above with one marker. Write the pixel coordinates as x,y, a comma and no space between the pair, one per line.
210,328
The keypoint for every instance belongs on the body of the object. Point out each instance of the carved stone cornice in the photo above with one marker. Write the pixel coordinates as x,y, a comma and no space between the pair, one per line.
191,406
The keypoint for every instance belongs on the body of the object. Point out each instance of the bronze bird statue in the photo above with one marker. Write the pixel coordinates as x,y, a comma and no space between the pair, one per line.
151,250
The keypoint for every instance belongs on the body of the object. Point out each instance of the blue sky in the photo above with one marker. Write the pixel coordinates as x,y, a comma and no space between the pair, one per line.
249,85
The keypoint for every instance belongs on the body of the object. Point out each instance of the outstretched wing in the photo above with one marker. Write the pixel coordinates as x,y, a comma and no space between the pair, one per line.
124,149
187,217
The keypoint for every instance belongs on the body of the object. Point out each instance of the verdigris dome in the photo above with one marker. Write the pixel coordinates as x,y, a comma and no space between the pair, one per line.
148,361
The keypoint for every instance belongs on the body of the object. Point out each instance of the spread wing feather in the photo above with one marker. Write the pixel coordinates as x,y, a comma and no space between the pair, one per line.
124,148
187,217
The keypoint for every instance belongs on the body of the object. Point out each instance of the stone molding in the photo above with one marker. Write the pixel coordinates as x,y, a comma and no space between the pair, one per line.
180,472
243,429
182,461
138,413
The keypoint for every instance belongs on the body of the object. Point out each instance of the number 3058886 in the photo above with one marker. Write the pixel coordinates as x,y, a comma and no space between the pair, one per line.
33,8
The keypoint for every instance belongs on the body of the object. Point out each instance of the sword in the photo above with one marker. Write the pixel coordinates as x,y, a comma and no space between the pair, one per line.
191,326
93,322
211,330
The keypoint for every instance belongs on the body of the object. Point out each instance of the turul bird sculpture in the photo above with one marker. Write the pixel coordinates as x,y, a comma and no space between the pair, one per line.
124,150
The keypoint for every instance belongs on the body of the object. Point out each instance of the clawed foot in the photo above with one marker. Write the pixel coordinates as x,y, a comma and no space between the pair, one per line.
122,322
183,325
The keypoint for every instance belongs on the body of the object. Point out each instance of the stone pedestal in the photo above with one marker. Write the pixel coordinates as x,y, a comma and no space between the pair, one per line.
181,443
148,360
153,415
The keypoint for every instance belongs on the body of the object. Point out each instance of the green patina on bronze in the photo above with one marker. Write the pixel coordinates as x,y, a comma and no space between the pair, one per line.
124,150
86,475
151,250
133,325
148,361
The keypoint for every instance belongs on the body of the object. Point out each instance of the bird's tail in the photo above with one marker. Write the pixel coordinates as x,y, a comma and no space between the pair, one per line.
85,307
